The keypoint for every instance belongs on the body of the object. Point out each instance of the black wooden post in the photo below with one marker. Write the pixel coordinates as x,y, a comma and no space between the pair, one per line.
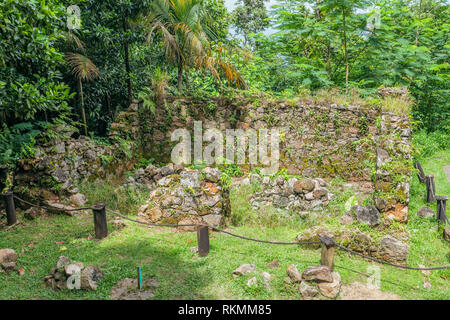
441,208
420,174
431,190
101,227
203,240
328,248
10,208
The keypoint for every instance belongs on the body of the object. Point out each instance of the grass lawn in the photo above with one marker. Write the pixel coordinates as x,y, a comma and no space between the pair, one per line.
165,255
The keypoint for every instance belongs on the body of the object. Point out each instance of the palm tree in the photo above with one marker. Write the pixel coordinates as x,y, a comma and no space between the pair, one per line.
84,70
184,26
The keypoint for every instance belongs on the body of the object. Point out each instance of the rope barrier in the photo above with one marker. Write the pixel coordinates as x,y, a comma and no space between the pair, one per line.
240,236
212,228
48,207
388,263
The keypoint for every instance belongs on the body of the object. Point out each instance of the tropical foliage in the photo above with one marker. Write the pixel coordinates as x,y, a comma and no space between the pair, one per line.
52,75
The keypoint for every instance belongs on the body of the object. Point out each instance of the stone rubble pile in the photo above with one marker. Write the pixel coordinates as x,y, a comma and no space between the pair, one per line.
184,196
68,274
390,248
313,280
293,194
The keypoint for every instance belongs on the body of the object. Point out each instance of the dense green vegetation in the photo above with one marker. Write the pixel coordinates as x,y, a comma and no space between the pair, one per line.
51,74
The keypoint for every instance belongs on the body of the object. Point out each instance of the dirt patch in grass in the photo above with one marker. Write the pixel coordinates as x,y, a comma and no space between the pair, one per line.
360,291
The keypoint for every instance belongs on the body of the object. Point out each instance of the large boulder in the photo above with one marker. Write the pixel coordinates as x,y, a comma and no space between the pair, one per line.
331,289
425,212
317,273
393,249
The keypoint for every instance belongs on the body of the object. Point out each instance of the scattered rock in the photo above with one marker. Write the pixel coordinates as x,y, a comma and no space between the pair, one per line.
252,282
425,212
317,273
78,199
447,234
293,273
274,264
267,277
331,289
393,249
244,269
427,285
7,255
307,290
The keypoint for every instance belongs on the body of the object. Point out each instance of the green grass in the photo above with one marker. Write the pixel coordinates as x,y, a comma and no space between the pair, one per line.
165,254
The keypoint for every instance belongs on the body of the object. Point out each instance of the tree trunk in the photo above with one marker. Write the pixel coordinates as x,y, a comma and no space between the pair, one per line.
180,79
329,59
83,114
186,75
127,63
345,51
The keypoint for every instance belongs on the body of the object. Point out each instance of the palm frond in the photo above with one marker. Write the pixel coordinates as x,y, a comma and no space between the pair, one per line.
82,67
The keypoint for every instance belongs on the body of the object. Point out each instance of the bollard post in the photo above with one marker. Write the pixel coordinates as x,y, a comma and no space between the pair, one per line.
10,208
431,190
100,224
203,240
139,277
420,174
328,248
441,208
